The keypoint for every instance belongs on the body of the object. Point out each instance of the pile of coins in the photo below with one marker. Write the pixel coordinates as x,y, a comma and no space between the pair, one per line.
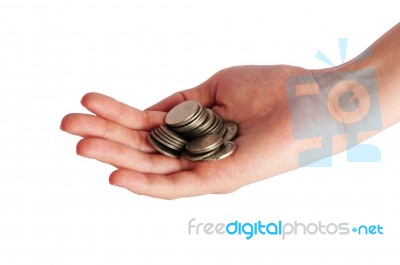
195,132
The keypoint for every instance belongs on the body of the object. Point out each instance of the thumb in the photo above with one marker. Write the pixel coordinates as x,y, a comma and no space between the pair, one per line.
204,93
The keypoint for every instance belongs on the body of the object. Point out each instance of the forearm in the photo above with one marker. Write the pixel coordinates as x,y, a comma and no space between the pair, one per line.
384,57
356,100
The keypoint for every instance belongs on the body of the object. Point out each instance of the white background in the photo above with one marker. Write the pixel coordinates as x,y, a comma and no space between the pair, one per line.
58,208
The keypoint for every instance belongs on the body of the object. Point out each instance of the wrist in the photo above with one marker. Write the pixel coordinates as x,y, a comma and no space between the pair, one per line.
383,57
351,97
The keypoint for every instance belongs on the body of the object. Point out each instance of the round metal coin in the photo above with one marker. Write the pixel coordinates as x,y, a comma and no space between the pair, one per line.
231,130
193,124
212,127
163,149
182,113
219,126
198,157
173,134
165,141
226,150
204,126
204,144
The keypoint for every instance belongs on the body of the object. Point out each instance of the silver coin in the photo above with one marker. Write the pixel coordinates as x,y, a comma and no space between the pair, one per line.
173,134
193,124
198,157
195,117
223,130
231,130
204,144
219,126
182,113
165,142
226,150
204,126
163,149
168,138
210,135
212,127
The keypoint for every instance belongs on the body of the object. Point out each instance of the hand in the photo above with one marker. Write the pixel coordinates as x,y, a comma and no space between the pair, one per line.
252,96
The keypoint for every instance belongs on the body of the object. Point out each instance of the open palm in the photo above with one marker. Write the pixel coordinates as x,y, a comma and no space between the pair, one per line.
252,96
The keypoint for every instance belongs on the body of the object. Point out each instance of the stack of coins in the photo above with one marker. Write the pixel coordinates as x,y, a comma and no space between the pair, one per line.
196,132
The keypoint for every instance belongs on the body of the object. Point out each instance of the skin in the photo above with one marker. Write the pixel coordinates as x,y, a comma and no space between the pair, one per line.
255,97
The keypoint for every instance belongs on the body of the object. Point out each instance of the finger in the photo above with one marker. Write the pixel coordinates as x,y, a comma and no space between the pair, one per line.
181,184
204,93
122,156
113,110
92,126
